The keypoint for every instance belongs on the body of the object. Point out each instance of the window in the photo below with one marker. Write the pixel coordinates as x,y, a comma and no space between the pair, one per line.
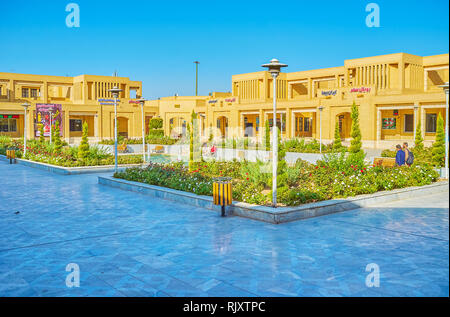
25,93
8,125
76,125
34,92
0,90
409,123
430,120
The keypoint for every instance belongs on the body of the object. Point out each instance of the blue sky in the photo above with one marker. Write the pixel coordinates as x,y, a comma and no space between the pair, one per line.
157,41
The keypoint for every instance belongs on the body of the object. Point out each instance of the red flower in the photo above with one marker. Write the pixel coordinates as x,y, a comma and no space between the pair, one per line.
310,174
247,178
362,171
317,167
343,173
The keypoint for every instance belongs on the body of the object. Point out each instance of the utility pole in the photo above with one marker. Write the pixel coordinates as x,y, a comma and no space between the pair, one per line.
196,77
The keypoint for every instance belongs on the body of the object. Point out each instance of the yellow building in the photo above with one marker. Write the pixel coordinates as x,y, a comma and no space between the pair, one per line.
82,98
393,93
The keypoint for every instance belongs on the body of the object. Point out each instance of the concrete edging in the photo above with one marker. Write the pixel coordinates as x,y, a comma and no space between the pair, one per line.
69,170
269,214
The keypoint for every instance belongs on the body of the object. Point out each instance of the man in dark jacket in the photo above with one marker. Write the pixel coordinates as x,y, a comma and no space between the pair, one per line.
400,157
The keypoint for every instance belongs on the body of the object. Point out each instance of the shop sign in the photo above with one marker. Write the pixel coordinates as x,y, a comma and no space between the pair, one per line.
329,92
360,89
134,101
107,101
212,101
230,100
43,117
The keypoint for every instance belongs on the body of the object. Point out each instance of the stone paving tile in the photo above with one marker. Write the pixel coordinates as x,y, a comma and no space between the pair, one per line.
128,244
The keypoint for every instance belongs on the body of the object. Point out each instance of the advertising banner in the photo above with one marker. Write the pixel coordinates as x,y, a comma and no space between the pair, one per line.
43,117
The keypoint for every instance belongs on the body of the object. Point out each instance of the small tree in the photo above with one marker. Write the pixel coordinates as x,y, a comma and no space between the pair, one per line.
83,149
356,152
41,133
57,137
418,142
337,144
267,136
355,133
155,128
438,150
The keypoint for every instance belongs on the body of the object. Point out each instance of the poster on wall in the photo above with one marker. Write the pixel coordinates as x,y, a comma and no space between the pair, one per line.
389,124
43,117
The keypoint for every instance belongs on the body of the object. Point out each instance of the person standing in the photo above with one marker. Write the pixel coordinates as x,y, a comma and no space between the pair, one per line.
400,157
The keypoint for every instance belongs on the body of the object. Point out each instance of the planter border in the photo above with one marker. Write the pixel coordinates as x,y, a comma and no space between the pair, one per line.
68,170
269,214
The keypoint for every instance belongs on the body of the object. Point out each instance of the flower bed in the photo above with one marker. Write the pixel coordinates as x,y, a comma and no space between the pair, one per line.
335,177
45,152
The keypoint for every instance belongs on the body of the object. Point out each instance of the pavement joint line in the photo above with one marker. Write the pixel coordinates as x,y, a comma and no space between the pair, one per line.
70,240
402,232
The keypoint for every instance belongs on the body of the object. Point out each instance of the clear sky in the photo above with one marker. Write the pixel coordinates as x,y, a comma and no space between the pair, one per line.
157,41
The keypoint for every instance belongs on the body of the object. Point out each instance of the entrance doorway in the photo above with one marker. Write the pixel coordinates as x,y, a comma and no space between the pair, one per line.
345,124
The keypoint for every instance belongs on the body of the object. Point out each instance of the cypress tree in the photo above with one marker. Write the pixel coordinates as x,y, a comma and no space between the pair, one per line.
57,137
41,133
355,143
83,149
418,142
438,150
337,144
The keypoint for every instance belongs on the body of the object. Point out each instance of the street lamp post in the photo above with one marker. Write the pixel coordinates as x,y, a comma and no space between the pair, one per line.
142,101
445,87
25,132
320,128
115,92
196,77
51,124
274,69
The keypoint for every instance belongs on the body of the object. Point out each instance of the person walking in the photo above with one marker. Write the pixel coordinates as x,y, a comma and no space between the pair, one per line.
400,156
409,157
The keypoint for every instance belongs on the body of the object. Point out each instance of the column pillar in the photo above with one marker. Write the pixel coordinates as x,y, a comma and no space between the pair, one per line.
96,125
416,113
67,126
378,127
423,123
288,123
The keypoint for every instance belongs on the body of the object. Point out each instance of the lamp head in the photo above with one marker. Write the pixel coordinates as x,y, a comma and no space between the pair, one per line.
26,105
274,67
141,100
115,91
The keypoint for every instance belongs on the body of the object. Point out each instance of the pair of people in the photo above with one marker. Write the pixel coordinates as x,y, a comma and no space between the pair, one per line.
404,155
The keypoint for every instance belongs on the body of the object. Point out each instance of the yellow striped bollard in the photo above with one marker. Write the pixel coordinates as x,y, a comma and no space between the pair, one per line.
222,192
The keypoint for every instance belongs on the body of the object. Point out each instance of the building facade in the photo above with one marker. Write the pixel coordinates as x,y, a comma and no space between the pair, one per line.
81,99
393,93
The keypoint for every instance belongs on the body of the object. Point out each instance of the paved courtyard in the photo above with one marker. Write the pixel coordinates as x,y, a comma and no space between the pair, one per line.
127,244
